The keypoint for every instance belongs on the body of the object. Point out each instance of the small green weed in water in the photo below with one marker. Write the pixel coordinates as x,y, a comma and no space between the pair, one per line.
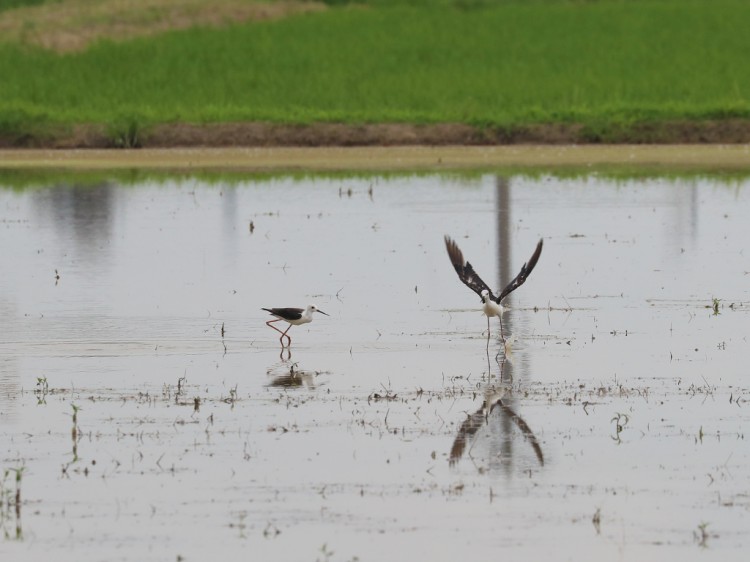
41,390
702,534
75,431
10,504
621,420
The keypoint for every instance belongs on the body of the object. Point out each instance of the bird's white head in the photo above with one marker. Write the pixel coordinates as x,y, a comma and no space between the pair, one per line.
312,308
485,295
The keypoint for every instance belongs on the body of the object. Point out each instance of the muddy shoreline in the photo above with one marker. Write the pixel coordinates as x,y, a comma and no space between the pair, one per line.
686,157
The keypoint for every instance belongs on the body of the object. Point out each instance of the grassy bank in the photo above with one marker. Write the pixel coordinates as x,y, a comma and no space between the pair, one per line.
606,65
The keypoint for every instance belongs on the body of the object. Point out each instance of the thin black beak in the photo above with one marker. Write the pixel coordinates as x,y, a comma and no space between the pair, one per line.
322,312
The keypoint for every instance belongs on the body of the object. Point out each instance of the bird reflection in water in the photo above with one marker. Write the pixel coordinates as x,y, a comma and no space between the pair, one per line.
496,396
287,374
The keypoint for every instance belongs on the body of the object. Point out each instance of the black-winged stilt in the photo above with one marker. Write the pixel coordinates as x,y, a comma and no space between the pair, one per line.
293,316
491,305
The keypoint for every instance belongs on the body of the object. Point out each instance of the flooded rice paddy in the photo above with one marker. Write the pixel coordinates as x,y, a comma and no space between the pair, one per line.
148,413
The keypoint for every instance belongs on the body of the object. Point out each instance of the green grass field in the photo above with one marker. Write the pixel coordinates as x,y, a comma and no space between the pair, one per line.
496,64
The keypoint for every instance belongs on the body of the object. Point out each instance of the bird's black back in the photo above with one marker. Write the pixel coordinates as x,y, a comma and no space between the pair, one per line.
286,313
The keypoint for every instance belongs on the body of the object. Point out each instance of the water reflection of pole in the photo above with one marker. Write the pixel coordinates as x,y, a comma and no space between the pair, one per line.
10,386
229,223
503,218
82,217
503,244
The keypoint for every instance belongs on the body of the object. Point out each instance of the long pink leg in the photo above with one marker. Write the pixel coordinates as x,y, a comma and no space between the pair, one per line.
488,334
281,339
287,337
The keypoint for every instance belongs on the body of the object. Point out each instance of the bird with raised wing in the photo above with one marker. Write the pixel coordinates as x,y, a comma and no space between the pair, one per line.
491,305
292,316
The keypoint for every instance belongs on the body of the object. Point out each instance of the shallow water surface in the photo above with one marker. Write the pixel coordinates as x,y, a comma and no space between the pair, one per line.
153,415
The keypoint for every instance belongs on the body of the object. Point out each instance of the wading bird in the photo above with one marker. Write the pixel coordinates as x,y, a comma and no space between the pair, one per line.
491,305
293,316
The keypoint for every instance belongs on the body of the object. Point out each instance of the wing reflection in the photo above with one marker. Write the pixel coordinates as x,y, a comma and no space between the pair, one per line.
494,405
524,427
466,433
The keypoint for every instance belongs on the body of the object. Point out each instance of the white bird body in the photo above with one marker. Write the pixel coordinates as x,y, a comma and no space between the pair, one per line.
490,308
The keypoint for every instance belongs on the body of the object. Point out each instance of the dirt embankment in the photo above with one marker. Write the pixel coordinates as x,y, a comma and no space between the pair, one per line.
330,134
323,134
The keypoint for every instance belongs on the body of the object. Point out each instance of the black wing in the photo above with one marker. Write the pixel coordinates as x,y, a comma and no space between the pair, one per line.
526,270
465,272
286,313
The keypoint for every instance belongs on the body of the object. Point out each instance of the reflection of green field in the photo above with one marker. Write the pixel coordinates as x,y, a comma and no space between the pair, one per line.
596,63
30,168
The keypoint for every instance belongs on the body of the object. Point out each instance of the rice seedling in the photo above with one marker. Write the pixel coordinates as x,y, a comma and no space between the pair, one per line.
606,65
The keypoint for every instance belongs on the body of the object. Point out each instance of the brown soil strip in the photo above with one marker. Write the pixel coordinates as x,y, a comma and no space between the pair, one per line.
704,157
392,134
72,25
730,131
